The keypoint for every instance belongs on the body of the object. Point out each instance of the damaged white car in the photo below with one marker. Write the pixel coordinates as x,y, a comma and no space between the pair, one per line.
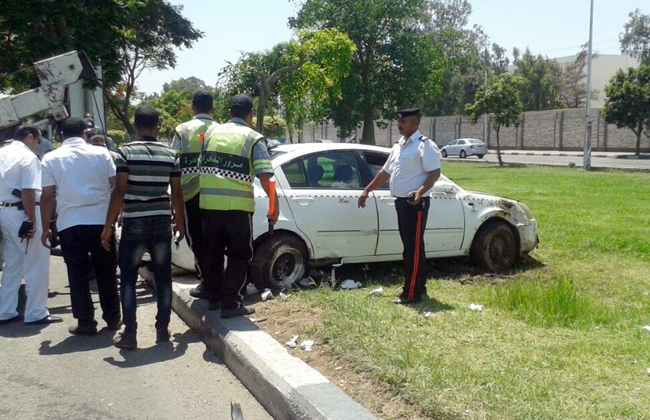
318,186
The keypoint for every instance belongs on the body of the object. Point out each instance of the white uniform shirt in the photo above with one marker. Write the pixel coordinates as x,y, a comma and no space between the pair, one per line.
19,169
80,173
410,163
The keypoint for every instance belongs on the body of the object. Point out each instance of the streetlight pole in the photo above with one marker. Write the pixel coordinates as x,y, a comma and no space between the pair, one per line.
586,162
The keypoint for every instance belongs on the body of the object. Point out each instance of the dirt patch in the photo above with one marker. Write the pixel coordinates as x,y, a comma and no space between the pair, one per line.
284,319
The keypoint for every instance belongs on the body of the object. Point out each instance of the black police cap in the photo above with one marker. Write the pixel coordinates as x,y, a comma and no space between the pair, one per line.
241,102
407,112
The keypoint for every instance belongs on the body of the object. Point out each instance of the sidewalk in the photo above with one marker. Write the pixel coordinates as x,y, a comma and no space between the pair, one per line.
610,155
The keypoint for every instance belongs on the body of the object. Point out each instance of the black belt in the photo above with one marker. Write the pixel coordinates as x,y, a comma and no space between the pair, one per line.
18,204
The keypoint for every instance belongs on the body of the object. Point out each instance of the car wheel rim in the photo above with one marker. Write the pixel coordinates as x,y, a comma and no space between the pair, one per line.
501,249
287,267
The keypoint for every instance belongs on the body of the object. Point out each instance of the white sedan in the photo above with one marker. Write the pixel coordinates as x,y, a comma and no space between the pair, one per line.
464,148
318,186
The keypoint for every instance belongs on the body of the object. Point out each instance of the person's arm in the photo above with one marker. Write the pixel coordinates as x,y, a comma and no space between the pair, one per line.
47,208
265,180
114,208
380,179
178,208
428,183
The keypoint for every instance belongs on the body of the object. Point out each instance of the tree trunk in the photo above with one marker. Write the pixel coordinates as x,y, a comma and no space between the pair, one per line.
368,135
499,148
638,139
122,116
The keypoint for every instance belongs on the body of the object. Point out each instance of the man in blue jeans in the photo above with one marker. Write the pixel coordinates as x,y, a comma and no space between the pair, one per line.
145,169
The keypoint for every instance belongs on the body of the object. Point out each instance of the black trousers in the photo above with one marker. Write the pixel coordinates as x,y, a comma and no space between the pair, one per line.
76,243
194,233
227,233
412,222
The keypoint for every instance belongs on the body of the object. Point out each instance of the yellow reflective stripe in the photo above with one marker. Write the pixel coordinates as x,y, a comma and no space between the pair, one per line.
250,141
227,193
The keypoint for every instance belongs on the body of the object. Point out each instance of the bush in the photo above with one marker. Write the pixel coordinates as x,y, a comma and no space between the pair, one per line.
119,137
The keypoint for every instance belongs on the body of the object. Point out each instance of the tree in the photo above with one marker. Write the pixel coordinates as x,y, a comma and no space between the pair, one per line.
574,85
501,99
541,81
628,101
301,75
636,38
393,64
124,36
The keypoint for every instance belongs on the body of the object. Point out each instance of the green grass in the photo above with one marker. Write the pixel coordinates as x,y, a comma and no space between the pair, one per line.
562,340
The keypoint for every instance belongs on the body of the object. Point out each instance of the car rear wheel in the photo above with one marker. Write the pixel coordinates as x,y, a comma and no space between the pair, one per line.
463,154
278,262
444,153
480,156
495,247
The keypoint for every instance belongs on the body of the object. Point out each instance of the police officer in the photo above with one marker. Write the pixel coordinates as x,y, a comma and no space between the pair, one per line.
233,154
412,168
20,190
188,139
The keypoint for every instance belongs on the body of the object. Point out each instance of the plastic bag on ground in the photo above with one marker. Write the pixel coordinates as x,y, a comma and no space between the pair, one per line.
475,307
307,345
293,342
350,284
266,294
377,292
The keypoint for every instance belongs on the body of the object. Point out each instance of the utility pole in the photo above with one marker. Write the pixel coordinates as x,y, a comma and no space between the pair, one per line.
586,161
485,117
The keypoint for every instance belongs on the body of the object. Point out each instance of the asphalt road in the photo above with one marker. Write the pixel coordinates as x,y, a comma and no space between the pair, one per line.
45,373
596,162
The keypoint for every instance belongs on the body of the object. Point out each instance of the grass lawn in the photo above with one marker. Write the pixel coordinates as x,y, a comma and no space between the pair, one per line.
560,341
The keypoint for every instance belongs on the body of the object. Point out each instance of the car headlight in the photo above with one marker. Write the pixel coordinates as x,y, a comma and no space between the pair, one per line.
526,210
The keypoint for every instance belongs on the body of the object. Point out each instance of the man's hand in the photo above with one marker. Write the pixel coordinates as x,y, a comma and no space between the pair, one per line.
107,234
179,231
417,196
32,231
46,238
362,199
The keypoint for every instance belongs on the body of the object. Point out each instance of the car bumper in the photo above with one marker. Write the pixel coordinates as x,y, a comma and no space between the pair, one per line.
528,236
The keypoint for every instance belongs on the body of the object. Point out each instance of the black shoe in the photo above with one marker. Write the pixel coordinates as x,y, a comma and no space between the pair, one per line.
198,293
126,340
162,335
213,305
114,326
404,301
83,330
242,310
10,320
47,320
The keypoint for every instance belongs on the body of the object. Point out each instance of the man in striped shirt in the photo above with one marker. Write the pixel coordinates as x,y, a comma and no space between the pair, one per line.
145,169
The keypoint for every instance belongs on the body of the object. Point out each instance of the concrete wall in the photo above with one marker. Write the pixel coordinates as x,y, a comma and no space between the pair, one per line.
562,129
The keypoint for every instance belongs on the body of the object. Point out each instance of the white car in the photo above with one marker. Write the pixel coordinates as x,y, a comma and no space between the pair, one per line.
318,186
464,148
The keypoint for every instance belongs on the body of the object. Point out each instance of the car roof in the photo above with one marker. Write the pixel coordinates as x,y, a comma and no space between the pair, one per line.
288,152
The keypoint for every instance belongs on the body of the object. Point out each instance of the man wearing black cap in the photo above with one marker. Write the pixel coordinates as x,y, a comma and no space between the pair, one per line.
188,140
412,168
232,155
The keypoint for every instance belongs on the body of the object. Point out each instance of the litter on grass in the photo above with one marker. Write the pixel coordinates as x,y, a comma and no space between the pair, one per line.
283,296
475,307
428,314
350,284
293,342
647,328
251,289
306,282
648,371
307,345
266,294
377,292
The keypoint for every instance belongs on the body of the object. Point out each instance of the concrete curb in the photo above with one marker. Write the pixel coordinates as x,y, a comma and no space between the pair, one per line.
287,387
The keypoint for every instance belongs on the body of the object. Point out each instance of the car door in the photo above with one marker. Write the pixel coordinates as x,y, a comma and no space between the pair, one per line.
446,219
453,148
323,195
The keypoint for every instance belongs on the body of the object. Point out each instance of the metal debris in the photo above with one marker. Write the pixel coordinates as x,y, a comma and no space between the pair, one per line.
283,296
266,294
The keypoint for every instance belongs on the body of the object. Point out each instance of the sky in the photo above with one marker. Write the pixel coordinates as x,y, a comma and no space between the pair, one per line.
554,28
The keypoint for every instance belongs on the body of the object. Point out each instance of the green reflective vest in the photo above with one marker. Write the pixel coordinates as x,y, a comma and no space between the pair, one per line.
189,152
227,171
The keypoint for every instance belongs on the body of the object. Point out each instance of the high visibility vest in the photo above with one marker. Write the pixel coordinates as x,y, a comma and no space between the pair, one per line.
190,138
227,171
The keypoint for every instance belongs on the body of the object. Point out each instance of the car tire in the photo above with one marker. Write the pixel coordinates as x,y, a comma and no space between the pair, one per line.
278,262
463,154
480,156
495,247
444,153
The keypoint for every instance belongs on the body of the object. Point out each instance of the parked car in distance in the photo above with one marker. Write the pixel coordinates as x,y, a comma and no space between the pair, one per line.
318,186
464,148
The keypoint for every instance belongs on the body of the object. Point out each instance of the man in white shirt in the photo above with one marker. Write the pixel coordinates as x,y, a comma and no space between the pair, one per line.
83,176
412,168
20,191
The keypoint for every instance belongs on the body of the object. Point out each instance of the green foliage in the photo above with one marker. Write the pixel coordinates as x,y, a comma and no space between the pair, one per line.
274,127
628,101
393,61
119,137
541,81
636,38
574,84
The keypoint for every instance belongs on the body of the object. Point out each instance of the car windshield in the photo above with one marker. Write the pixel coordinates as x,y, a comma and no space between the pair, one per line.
273,153
476,141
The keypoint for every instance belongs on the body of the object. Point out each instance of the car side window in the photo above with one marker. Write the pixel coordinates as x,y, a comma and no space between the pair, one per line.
295,173
332,170
375,163
453,143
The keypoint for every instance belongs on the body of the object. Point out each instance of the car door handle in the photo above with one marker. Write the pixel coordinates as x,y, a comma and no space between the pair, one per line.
388,200
302,200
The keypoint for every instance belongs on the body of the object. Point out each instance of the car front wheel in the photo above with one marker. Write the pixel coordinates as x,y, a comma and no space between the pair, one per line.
495,247
463,154
278,262
444,153
480,156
